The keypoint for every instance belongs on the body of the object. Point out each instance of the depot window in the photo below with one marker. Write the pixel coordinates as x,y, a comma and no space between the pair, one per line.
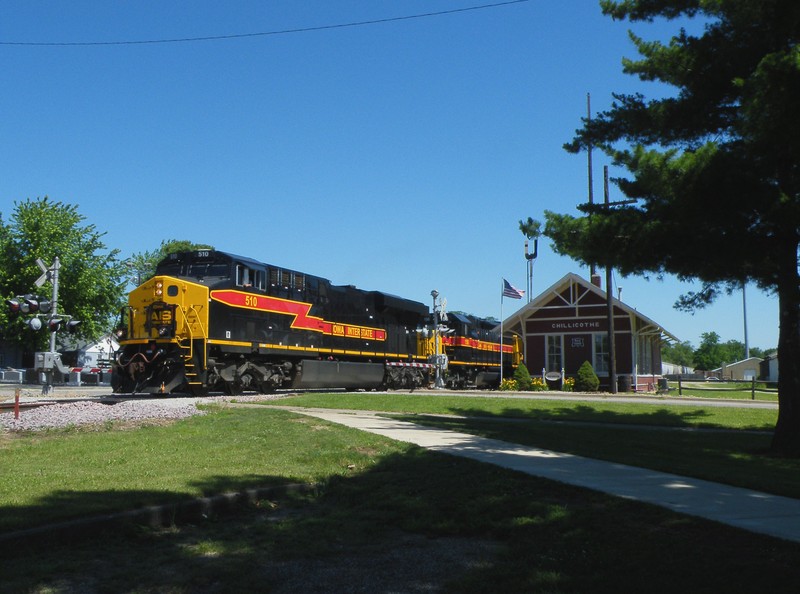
555,349
601,352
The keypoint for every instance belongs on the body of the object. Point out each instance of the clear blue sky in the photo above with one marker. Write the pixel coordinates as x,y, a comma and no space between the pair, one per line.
396,156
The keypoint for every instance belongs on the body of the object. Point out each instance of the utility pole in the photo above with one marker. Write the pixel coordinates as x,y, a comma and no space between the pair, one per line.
589,160
612,356
744,315
612,350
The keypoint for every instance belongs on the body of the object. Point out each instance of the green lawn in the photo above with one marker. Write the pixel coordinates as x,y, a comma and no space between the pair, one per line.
64,474
386,510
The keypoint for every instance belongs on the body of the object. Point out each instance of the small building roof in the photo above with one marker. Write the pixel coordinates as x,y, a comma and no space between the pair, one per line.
740,363
515,322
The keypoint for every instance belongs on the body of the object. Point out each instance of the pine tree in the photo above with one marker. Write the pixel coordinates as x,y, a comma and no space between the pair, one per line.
586,380
523,377
722,149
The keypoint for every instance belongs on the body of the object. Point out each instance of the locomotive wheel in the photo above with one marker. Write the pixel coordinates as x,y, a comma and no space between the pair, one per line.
232,388
268,388
246,381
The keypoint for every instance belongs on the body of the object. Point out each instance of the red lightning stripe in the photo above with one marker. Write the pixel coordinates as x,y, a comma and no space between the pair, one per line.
301,312
472,343
298,309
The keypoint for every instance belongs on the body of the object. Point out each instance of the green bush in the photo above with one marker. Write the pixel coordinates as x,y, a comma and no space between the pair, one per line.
523,377
586,380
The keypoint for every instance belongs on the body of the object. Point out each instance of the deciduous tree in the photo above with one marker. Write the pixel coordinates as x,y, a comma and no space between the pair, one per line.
714,167
90,275
680,353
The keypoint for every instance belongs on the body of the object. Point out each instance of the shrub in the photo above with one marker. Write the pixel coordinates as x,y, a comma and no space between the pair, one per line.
586,380
522,377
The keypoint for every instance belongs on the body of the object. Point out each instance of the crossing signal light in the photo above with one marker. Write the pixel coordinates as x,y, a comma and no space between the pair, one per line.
30,304
55,323
38,307
14,305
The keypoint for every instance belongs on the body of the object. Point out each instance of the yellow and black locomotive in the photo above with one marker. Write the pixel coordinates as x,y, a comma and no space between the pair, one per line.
212,321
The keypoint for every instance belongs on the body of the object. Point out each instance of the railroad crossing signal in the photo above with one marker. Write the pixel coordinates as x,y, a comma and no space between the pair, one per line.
43,311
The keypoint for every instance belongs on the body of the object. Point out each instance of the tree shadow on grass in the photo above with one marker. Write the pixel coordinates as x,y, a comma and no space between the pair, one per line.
417,521
666,417
64,515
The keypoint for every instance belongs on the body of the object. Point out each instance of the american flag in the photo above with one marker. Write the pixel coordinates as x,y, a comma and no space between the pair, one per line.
510,291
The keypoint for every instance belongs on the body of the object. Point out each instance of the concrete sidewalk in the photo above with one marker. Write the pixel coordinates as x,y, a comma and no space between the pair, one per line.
751,510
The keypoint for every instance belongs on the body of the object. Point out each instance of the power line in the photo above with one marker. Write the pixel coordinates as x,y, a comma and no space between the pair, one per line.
264,33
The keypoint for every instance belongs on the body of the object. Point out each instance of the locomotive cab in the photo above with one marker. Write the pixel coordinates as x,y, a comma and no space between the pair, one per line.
161,333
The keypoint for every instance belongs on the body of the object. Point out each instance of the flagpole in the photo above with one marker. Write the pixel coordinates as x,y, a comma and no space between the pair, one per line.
510,290
502,292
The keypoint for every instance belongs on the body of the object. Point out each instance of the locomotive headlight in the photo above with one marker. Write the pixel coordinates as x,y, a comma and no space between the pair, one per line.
159,288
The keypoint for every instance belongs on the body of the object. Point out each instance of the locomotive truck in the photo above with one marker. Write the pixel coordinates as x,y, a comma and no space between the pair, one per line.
211,321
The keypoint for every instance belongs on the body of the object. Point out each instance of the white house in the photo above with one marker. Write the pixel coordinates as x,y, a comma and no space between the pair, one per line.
92,354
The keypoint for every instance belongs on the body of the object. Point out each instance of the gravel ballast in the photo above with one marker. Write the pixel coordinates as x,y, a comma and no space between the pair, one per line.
83,412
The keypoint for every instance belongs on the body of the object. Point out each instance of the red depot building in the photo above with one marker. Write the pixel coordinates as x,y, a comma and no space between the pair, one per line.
567,324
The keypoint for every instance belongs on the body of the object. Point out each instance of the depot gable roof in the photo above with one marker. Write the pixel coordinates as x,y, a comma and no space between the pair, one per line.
572,291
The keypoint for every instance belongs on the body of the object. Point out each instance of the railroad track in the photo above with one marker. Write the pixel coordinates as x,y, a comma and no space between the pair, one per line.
24,405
